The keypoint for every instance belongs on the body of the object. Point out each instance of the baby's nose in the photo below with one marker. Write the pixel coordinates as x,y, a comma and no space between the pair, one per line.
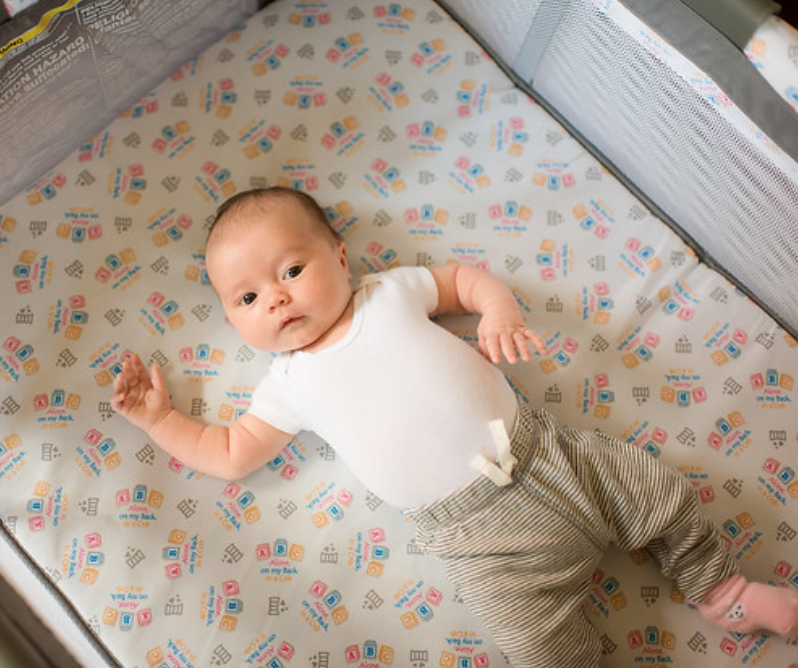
278,298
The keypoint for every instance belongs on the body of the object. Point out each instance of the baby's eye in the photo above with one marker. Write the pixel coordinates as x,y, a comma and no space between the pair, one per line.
249,299
293,272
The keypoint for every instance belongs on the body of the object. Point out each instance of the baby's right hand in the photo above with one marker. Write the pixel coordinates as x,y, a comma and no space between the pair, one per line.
139,396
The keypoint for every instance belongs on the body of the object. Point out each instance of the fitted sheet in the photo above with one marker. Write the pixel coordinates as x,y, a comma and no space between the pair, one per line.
423,152
773,51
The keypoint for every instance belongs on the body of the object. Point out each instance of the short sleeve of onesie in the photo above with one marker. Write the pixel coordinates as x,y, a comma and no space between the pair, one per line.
273,401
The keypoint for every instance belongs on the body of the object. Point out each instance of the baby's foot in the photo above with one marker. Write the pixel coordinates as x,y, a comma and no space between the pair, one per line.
744,607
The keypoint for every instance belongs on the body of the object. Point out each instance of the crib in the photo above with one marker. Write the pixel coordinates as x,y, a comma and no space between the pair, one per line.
627,167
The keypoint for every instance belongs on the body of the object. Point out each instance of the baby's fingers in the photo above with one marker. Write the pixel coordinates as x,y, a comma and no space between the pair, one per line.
537,341
509,343
119,395
119,382
130,382
122,384
140,373
156,378
515,344
491,348
520,342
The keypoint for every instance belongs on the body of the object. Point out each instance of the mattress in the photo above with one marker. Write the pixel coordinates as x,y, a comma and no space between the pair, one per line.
423,152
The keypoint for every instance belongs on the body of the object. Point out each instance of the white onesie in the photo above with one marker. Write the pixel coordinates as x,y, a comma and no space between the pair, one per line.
405,403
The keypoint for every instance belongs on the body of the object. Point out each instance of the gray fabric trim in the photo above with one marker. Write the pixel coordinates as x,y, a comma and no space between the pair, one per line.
541,32
727,66
737,19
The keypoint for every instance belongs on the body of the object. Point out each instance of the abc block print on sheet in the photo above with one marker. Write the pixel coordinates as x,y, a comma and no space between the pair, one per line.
422,152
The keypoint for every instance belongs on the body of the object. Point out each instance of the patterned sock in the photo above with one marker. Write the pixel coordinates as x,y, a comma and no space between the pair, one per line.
744,607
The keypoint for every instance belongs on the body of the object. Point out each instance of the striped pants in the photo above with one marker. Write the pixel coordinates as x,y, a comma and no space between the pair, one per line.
522,555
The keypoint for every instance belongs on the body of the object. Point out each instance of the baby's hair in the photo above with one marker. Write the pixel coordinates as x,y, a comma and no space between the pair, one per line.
261,200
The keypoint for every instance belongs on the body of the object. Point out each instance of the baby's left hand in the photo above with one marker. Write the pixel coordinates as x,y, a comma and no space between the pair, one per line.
509,336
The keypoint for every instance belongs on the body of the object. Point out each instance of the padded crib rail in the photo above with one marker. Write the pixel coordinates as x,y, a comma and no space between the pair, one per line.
68,67
679,112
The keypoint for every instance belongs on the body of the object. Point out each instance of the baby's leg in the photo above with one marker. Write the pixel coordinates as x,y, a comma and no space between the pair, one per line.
744,607
536,626
645,505
684,541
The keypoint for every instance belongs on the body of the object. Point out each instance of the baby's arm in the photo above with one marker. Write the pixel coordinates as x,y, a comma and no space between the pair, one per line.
225,452
502,330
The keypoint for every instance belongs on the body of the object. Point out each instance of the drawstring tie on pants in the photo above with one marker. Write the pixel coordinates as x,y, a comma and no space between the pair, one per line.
501,472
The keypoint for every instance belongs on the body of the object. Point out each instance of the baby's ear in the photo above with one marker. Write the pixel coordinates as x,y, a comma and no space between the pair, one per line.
343,258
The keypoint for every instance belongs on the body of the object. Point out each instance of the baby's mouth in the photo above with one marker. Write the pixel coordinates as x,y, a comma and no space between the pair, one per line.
287,322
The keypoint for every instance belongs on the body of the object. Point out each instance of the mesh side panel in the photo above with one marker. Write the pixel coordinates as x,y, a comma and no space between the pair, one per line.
503,26
679,139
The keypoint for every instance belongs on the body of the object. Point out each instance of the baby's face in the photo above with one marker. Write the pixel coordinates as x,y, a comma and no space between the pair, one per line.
284,285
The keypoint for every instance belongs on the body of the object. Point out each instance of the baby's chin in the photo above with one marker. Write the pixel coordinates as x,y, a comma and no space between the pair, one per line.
277,350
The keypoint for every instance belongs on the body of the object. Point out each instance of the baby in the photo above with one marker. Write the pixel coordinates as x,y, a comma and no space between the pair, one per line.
519,509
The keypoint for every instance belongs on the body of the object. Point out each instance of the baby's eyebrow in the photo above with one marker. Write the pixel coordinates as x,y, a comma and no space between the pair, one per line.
232,294
295,250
